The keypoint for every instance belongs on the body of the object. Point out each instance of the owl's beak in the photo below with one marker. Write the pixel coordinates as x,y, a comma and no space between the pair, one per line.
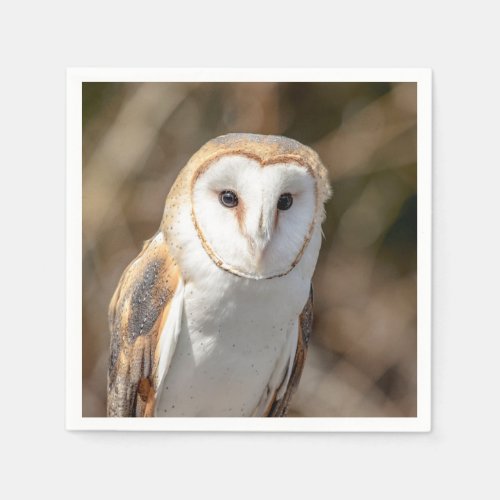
258,251
260,223
259,245
261,236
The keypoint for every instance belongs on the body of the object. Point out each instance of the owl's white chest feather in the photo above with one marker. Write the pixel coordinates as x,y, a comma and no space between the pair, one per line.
234,332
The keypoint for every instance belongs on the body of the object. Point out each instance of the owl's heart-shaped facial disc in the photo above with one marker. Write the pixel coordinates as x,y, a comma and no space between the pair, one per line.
254,219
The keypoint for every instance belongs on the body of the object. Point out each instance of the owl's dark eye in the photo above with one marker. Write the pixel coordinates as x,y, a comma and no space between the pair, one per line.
285,201
228,199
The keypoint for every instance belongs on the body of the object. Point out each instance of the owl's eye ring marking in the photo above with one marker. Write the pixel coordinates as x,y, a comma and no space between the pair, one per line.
285,201
228,198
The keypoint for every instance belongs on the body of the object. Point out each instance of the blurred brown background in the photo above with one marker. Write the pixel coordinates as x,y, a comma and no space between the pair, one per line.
136,138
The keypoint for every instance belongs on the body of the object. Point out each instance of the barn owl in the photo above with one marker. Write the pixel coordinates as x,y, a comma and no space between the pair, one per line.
213,317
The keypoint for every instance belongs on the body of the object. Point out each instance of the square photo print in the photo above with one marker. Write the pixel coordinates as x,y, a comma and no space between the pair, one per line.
249,249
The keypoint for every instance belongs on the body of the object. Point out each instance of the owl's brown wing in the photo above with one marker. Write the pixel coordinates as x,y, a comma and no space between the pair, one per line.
137,314
278,406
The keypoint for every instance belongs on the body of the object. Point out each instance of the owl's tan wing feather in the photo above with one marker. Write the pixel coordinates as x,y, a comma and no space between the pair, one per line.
137,313
278,406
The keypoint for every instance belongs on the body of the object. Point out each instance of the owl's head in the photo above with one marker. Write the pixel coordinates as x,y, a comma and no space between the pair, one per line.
256,202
